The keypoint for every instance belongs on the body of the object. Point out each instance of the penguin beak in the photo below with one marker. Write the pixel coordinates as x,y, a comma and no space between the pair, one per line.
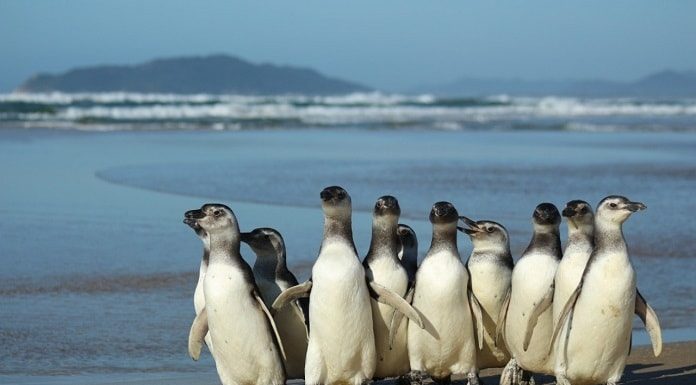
245,237
568,212
635,206
473,226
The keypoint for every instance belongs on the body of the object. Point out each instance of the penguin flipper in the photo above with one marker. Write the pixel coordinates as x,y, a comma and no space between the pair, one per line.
258,298
301,307
500,324
478,317
383,295
397,316
565,312
196,338
544,304
299,291
651,322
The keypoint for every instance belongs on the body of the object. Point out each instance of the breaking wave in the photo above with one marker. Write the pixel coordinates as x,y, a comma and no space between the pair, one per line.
120,111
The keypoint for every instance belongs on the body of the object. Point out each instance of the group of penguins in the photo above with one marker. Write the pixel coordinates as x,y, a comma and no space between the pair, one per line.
561,312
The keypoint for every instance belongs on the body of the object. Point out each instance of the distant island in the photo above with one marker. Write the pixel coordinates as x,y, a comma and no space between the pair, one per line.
215,74
664,84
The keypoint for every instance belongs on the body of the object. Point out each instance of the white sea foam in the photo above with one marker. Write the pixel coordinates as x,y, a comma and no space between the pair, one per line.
225,111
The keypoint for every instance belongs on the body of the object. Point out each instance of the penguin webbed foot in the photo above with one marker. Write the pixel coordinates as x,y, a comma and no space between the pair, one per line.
473,379
415,377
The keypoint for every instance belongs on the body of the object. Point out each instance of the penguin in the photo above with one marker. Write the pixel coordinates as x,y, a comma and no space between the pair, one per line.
408,250
341,347
198,296
447,345
490,271
383,266
575,255
600,310
272,277
528,321
248,349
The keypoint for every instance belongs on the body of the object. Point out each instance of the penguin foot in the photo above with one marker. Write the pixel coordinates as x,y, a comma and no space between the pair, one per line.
562,380
474,379
403,380
510,374
415,377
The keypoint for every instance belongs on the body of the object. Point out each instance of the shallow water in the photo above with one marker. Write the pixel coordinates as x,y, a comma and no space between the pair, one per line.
98,270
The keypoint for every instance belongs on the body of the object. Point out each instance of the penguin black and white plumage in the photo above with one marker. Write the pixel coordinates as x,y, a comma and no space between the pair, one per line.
490,272
447,345
198,296
248,349
528,323
600,310
575,256
382,266
272,277
341,346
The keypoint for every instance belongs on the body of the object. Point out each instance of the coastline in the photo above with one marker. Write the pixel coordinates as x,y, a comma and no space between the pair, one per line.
675,366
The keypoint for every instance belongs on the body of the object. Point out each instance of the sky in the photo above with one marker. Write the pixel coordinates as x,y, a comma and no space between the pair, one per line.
391,45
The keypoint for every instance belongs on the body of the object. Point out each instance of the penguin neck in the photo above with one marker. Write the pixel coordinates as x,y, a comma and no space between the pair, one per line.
546,240
385,240
444,238
224,246
492,251
609,237
338,228
582,235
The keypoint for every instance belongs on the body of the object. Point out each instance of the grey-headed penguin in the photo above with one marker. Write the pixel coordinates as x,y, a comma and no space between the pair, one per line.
447,346
198,296
600,310
382,265
248,349
272,277
490,272
529,319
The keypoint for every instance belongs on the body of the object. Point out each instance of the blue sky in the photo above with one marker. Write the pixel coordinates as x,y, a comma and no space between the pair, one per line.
392,45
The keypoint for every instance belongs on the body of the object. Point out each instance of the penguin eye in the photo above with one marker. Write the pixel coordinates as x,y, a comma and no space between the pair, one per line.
613,205
490,229
583,210
217,213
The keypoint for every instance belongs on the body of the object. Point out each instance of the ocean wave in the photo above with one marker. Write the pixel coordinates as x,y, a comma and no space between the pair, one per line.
360,109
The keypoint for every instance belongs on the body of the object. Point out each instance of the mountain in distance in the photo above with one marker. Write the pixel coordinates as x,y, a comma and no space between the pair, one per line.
215,74
664,84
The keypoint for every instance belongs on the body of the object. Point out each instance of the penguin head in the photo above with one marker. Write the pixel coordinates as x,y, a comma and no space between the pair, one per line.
579,214
617,209
485,234
265,242
407,235
546,217
387,206
335,201
212,218
443,213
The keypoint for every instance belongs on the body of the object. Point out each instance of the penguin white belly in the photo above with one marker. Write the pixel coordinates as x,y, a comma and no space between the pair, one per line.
390,362
245,352
447,344
568,276
600,337
531,279
341,341
199,300
490,281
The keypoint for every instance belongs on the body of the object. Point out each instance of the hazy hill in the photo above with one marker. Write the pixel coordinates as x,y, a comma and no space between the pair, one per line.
663,84
186,75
